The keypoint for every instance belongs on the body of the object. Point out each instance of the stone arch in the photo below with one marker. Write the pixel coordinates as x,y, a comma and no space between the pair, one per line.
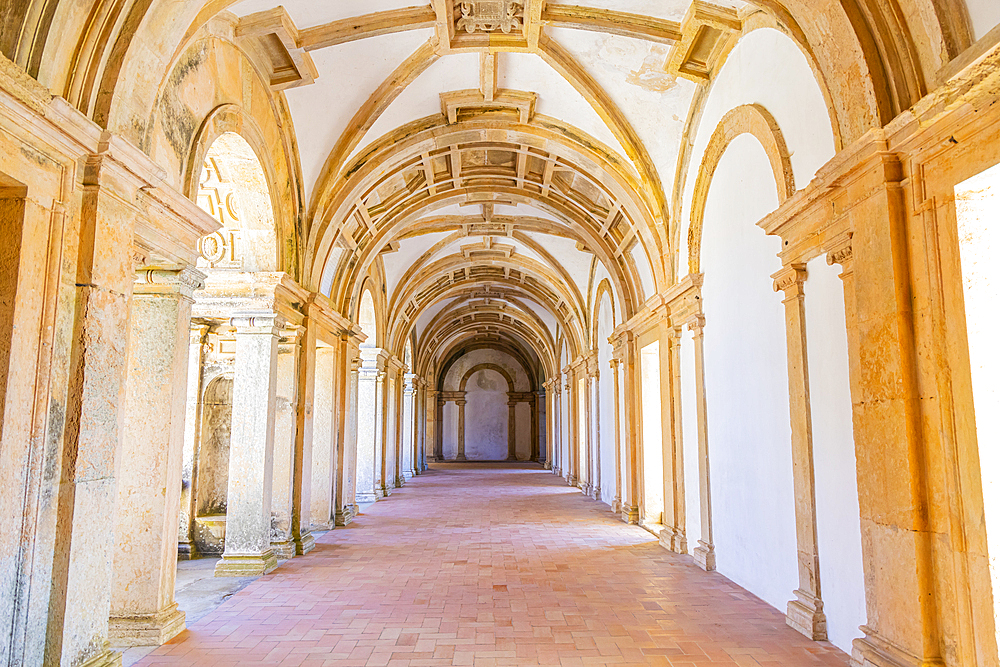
751,119
604,287
368,318
487,366
230,188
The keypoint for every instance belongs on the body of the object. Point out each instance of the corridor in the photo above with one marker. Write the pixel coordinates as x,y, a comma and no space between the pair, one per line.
491,564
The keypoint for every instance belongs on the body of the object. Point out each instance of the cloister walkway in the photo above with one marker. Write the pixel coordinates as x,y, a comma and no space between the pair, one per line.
492,564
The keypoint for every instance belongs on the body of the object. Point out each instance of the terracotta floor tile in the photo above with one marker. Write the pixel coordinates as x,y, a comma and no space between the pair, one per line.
491,565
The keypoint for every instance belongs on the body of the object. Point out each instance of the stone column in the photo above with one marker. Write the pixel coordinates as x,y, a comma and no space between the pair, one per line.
439,427
584,438
676,538
805,613
557,444
595,424
324,448
371,379
409,444
626,352
285,427
302,457
143,610
511,427
461,430
251,455
386,449
186,548
616,504
535,424
347,451
704,553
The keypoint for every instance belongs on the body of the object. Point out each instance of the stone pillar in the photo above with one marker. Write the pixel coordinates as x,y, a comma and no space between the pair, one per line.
143,610
347,451
439,427
198,339
584,438
557,444
370,412
393,476
570,463
302,456
805,613
626,352
704,553
511,427
251,456
411,456
424,421
894,529
324,447
675,538
285,418
536,399
594,374
616,504
461,430
385,449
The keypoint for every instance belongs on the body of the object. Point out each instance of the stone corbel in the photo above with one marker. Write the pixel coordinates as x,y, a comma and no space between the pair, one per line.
259,321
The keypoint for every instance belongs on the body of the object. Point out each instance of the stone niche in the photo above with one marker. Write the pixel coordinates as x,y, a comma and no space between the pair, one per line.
213,467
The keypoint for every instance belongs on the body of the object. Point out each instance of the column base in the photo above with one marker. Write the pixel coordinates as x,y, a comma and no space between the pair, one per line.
283,550
246,566
345,516
187,551
401,480
461,457
704,556
806,615
410,474
146,629
107,659
595,492
616,505
585,489
321,526
630,515
385,491
873,651
365,498
548,465
304,543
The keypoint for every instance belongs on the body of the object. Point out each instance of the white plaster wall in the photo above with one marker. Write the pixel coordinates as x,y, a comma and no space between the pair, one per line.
487,356
606,389
837,512
767,68
746,380
689,426
522,427
449,432
486,416
985,14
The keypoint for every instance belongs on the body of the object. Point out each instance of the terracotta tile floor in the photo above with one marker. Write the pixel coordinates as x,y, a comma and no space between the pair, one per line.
492,565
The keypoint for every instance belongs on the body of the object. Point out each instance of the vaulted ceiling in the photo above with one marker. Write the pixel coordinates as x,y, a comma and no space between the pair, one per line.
489,161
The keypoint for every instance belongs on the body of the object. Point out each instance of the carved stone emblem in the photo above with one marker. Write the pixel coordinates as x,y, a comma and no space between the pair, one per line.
490,15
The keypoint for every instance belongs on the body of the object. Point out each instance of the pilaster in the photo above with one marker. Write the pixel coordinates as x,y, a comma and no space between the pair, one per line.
370,414
198,338
805,613
704,553
285,437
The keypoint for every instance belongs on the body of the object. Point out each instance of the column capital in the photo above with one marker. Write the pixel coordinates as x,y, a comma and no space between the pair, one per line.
841,251
180,280
697,325
791,280
257,322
